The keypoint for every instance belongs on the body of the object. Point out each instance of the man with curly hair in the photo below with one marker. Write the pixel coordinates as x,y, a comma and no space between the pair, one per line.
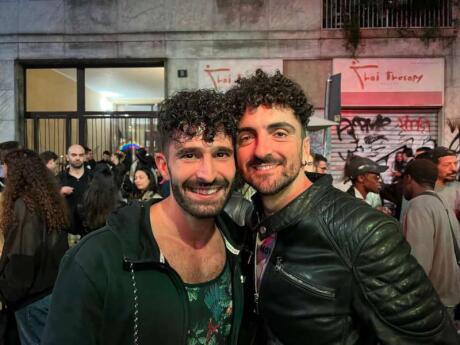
329,269
164,272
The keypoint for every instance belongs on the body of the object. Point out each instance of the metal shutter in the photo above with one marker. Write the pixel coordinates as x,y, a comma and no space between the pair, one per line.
379,135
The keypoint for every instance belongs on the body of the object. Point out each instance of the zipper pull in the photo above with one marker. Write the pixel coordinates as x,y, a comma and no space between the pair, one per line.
279,263
250,257
256,303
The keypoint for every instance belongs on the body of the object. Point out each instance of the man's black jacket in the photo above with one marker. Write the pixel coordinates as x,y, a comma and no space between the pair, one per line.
341,273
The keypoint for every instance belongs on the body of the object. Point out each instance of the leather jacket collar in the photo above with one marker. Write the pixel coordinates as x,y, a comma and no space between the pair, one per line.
291,213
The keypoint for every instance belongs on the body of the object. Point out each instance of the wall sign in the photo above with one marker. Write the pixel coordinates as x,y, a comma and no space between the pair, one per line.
221,74
391,82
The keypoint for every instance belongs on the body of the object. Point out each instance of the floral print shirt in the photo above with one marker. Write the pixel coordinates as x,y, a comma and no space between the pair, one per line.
210,310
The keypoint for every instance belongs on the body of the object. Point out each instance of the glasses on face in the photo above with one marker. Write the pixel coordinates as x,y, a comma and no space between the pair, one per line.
374,176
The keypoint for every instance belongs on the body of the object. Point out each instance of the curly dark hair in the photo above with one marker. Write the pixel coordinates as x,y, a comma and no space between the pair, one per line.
29,179
269,90
191,113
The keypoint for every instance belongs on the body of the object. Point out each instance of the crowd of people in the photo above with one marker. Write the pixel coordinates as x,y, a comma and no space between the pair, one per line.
167,249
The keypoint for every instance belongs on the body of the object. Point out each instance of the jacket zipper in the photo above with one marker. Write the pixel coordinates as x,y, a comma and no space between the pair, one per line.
258,282
177,280
237,293
323,292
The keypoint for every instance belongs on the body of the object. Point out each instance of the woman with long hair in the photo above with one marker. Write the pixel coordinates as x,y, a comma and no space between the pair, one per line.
100,199
32,222
145,185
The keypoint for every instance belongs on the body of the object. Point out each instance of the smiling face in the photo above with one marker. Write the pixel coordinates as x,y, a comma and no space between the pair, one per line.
270,149
201,173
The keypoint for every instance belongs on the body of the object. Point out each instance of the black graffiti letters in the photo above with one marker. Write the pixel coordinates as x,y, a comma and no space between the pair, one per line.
364,124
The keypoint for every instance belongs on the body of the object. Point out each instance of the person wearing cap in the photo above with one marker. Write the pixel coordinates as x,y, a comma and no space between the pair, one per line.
432,231
447,185
365,176
366,182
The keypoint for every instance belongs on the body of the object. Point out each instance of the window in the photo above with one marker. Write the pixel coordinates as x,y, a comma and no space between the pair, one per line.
104,108
388,13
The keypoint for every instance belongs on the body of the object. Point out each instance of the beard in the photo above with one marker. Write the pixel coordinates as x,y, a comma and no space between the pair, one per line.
272,185
450,178
201,208
76,165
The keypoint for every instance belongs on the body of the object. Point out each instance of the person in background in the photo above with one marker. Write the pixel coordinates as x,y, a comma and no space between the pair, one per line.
89,158
100,199
398,167
408,154
328,269
8,329
119,169
106,156
422,151
447,185
33,221
365,178
107,159
320,164
146,187
74,182
5,148
50,159
432,231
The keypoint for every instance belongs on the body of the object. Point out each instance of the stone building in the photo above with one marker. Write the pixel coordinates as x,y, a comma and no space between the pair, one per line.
93,71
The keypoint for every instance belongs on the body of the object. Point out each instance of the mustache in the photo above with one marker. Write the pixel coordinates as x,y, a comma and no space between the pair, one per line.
198,183
264,160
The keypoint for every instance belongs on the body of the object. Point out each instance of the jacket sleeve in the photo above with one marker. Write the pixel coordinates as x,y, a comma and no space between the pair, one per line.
22,245
392,293
75,315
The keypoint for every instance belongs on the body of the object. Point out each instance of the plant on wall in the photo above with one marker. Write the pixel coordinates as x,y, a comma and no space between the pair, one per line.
353,18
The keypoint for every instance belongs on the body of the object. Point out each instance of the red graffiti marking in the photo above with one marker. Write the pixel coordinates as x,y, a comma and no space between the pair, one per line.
419,124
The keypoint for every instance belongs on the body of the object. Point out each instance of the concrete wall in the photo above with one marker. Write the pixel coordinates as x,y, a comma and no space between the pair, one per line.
182,32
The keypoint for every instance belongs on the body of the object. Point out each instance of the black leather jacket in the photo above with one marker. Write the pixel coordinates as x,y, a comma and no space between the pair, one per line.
341,273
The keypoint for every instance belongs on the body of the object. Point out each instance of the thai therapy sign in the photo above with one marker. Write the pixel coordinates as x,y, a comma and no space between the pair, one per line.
391,82
221,74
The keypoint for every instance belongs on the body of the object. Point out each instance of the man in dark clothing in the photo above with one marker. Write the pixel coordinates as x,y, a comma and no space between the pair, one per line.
365,177
74,182
165,272
106,159
320,163
89,158
329,269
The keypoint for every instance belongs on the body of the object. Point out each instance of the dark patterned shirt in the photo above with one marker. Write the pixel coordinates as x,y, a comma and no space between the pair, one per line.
211,309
